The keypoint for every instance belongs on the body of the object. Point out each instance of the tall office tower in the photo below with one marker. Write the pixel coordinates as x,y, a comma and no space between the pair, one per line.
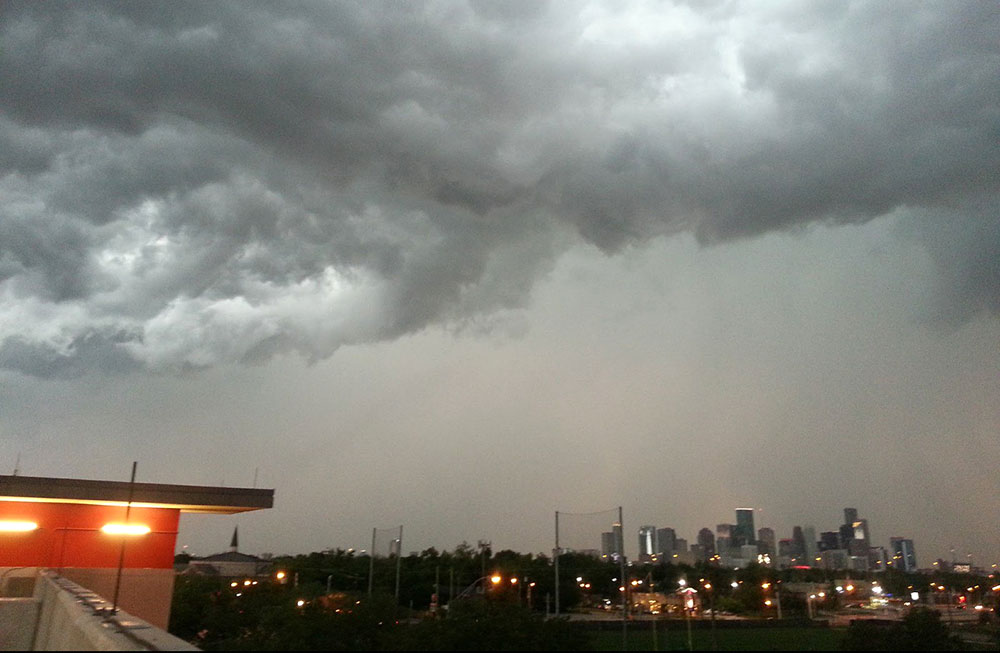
861,531
766,541
785,547
798,544
647,543
829,541
809,533
878,559
903,555
744,527
608,545
680,545
850,515
846,535
616,528
706,540
666,539
861,542
724,536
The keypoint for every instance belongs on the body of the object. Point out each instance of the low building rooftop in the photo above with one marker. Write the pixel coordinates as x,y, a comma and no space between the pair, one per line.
186,498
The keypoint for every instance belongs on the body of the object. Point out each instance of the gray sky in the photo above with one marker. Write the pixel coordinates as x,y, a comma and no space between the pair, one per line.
460,265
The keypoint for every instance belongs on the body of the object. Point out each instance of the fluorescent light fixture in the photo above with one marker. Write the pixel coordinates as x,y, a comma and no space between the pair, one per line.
8,526
125,529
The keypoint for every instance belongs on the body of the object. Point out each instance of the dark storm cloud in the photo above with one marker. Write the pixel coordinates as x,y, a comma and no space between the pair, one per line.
193,183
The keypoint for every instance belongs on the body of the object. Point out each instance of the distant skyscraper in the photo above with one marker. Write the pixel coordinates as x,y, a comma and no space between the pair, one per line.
680,545
829,541
809,533
608,545
666,539
861,531
744,527
724,538
903,555
850,515
860,545
647,543
706,540
798,545
766,541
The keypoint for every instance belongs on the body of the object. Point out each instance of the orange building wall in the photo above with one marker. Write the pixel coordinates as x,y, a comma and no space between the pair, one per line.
69,535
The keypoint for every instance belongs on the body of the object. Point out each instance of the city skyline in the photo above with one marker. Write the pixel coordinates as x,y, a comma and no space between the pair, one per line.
459,265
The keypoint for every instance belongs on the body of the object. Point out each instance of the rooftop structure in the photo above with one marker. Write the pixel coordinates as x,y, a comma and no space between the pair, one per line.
88,529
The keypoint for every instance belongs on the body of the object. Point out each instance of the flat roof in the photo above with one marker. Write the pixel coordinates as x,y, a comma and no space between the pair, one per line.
186,498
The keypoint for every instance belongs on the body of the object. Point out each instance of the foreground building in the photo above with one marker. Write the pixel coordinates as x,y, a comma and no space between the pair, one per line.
113,538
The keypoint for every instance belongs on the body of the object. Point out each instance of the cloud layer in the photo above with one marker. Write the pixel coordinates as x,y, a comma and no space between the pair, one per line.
185,185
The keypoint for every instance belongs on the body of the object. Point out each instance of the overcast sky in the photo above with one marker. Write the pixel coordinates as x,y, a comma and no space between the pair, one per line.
460,265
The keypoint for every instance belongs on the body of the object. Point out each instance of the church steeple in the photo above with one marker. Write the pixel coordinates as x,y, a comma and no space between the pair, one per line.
235,544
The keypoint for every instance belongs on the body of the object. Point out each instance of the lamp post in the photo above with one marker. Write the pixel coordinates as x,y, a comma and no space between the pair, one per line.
711,606
687,603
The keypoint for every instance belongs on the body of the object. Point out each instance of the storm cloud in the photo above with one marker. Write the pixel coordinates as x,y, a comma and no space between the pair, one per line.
191,184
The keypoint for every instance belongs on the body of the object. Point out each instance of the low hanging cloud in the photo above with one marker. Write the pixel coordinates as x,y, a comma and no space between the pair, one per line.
189,184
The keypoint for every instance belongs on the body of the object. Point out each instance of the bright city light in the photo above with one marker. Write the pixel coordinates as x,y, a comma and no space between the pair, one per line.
125,529
17,526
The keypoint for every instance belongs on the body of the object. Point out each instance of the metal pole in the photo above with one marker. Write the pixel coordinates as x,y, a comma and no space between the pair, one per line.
371,564
121,556
687,618
620,545
711,599
556,552
399,559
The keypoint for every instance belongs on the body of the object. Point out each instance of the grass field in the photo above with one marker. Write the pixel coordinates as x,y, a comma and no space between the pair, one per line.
731,639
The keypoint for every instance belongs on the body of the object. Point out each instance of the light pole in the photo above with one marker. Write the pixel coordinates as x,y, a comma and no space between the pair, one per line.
711,606
687,602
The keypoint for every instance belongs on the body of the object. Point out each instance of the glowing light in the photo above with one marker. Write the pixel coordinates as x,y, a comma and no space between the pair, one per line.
496,579
280,575
300,603
17,526
125,529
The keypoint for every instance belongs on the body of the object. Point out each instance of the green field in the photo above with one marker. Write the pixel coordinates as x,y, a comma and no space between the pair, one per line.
675,638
